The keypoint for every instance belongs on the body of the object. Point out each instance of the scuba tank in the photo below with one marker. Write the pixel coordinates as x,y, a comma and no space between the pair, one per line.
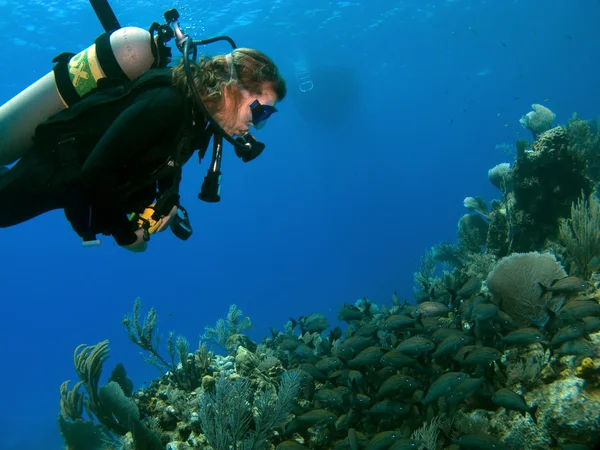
124,53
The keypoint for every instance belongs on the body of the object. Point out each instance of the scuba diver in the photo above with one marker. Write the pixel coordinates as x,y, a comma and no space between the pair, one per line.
121,146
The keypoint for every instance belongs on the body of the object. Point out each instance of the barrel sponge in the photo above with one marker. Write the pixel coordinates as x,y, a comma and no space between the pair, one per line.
538,120
515,285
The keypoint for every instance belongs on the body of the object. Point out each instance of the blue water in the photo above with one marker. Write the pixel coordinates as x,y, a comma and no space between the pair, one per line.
332,211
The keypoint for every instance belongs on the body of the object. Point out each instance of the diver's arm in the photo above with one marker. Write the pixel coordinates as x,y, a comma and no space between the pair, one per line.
147,121
139,245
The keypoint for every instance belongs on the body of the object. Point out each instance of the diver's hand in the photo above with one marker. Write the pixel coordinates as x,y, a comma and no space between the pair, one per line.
164,221
140,244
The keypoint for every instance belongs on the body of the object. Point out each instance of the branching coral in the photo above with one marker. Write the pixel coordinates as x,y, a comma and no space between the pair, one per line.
225,329
581,233
145,335
226,412
116,412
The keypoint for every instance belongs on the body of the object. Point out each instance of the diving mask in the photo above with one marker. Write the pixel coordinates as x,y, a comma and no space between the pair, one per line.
260,114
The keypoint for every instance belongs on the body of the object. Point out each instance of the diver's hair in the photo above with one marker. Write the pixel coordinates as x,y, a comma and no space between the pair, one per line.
255,72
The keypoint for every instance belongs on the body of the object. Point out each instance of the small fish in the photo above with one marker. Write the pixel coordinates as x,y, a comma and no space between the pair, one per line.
594,264
481,356
361,401
471,287
591,324
390,407
567,285
443,385
443,333
463,351
480,441
399,321
344,420
353,345
466,307
335,334
511,400
464,390
349,313
407,444
329,397
565,334
523,336
484,311
290,445
383,440
451,344
384,373
578,309
317,416
505,320
370,356
432,309
398,384
415,346
304,351
353,439
313,323
314,372
397,359
577,347
289,344
368,330
328,364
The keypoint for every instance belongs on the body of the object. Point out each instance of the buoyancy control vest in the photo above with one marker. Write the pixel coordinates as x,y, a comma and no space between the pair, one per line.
90,118
97,110
86,121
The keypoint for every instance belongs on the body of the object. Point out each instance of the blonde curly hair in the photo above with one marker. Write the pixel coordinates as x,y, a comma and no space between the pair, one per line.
255,73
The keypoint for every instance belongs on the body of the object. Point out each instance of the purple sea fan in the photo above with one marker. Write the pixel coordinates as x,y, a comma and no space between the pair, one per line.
515,285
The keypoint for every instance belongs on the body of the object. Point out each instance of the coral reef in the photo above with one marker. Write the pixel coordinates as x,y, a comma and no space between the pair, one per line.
547,180
500,348
111,413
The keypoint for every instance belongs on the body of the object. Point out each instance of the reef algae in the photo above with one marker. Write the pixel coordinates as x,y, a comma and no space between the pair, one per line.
500,348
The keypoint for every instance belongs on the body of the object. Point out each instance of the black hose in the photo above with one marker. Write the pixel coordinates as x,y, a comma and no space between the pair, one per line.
105,15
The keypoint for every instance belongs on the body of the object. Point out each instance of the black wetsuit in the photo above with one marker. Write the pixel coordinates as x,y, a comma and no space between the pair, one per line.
124,153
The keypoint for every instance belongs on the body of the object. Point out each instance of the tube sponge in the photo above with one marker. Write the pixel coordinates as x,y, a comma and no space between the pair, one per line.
538,120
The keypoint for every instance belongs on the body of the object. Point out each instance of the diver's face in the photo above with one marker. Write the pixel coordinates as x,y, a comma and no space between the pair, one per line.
243,119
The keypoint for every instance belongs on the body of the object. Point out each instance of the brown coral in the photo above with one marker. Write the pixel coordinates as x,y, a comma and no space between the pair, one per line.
553,139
